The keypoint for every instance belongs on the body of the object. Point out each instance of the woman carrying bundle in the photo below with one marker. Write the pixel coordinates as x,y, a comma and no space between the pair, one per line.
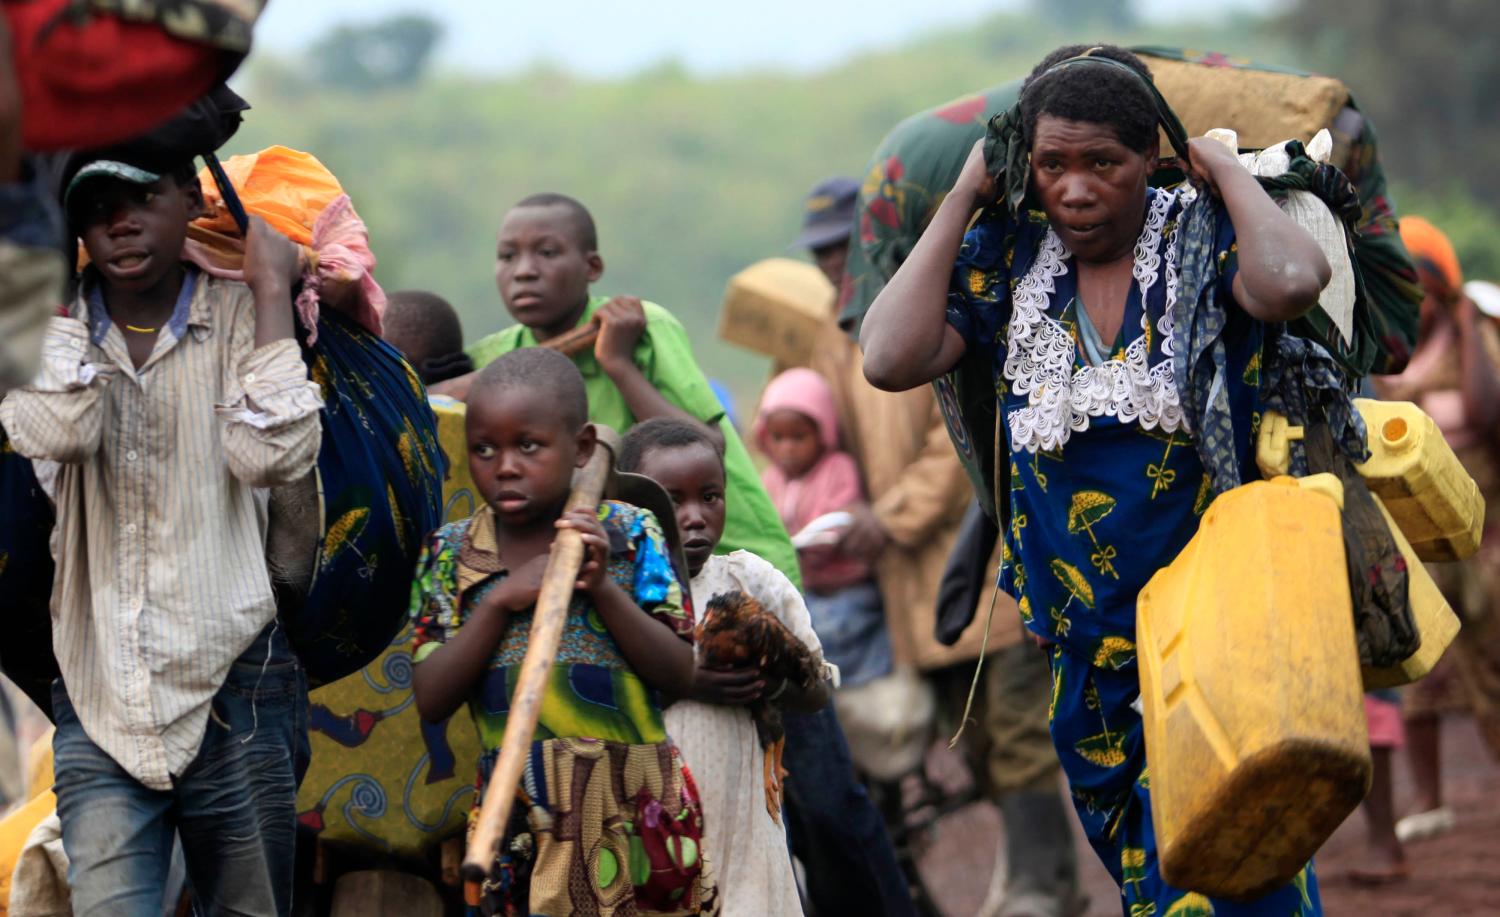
1066,291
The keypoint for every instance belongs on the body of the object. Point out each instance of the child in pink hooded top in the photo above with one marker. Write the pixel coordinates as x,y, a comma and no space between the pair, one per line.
809,476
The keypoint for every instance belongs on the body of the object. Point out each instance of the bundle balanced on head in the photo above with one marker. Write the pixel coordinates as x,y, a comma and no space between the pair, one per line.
1064,289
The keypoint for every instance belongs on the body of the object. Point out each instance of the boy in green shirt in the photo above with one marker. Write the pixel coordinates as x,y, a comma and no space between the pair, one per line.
640,367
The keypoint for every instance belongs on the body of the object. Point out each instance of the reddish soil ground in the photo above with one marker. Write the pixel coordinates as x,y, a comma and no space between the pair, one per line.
1457,874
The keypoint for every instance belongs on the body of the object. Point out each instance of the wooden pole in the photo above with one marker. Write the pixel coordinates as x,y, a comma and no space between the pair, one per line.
574,342
547,624
569,344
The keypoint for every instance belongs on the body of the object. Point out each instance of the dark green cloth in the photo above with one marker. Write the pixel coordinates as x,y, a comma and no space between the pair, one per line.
912,171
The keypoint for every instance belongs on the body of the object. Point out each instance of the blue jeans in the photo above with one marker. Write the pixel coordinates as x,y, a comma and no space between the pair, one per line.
234,806
850,624
834,828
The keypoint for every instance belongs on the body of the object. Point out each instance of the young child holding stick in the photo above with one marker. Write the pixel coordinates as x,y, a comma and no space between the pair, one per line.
607,817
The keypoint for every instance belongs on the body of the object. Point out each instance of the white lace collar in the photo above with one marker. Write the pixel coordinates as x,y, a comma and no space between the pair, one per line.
1039,356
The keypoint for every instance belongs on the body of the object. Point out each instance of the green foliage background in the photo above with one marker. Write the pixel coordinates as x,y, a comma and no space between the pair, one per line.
689,178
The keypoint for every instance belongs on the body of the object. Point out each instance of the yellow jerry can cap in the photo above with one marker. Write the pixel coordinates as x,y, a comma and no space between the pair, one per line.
1273,445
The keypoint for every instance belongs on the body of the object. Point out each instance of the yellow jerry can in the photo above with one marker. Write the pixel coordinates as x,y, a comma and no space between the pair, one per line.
1425,488
1409,458
1251,692
1436,623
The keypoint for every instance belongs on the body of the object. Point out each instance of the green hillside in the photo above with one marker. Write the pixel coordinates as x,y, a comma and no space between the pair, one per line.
690,179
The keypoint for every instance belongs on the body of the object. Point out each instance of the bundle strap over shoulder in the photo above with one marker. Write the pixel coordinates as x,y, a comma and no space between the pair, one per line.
1299,377
966,395
1005,146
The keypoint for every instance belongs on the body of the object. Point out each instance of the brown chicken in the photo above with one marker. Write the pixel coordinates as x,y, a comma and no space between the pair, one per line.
736,632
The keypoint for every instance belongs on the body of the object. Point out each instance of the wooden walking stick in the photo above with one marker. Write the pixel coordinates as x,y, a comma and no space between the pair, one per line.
547,624
569,344
574,342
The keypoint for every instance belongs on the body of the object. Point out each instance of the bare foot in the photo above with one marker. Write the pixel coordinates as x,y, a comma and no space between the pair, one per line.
1384,862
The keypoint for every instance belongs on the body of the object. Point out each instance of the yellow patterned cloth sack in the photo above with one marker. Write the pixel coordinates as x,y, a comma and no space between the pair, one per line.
380,778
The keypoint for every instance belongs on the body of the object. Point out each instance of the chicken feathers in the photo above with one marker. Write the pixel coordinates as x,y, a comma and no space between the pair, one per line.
734,632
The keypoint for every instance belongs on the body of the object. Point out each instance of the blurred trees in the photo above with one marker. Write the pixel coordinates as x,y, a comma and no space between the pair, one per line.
692,177
389,53
1073,13
1426,73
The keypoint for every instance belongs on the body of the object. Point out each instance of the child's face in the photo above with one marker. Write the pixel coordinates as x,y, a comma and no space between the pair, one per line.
542,270
522,454
693,476
792,442
134,233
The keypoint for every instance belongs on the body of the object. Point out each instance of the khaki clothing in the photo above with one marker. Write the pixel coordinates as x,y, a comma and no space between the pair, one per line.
1008,744
31,284
919,493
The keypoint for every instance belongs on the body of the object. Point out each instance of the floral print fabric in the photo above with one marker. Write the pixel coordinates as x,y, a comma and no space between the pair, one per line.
1105,487
608,819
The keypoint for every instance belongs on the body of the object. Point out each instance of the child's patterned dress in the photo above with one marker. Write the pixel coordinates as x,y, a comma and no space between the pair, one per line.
607,819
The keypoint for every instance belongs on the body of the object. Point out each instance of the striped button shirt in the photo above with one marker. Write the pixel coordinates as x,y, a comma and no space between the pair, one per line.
161,509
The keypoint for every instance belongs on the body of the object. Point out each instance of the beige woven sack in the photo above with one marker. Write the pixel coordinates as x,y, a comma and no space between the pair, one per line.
1264,108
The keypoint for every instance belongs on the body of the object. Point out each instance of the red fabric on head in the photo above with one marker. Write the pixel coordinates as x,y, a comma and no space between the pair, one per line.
101,82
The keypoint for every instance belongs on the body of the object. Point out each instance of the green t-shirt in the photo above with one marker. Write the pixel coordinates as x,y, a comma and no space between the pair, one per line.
665,357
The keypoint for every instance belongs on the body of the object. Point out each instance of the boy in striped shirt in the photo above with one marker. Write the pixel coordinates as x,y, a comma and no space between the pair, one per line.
170,402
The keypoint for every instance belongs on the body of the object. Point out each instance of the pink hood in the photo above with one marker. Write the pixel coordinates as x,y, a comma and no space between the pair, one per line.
805,392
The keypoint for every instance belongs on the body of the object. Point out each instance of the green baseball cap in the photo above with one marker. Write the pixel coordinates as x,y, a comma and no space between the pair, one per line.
109,168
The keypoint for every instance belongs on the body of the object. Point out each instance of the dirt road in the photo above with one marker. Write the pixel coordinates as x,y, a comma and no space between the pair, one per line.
1458,874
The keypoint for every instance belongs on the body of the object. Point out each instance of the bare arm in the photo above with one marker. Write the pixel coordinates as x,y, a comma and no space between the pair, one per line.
745,685
442,681
622,321
662,659
441,687
906,337
1281,269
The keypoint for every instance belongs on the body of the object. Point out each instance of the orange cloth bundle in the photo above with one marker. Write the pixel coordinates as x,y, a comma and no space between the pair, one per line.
1429,247
300,198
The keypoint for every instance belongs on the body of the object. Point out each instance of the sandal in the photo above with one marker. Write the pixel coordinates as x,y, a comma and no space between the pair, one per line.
1425,825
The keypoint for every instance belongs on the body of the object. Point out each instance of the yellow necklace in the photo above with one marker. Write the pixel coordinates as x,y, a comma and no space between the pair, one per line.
129,327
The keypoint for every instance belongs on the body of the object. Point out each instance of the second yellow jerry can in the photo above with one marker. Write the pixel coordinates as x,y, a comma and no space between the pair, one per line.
1250,687
1421,482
